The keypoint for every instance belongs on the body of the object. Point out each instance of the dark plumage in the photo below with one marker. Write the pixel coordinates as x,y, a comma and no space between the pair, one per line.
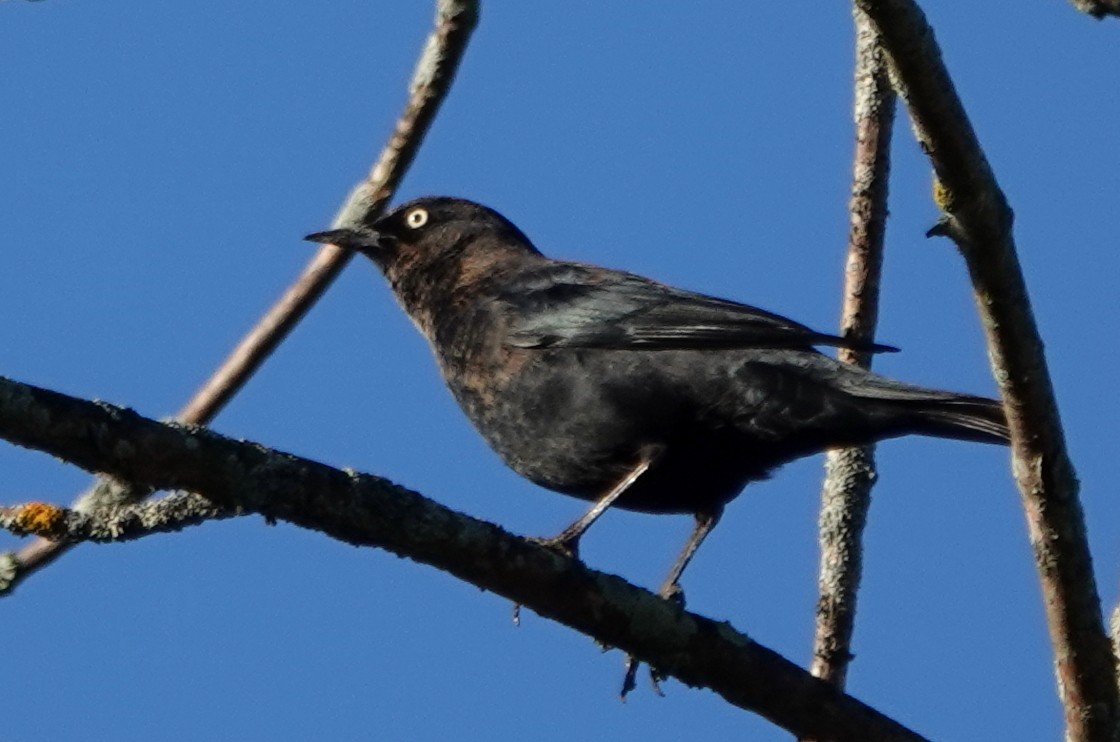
583,378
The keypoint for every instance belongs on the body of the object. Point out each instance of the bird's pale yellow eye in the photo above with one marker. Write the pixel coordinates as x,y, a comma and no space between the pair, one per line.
416,218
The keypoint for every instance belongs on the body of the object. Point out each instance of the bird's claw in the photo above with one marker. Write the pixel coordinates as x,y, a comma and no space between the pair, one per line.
673,593
628,683
561,544
628,679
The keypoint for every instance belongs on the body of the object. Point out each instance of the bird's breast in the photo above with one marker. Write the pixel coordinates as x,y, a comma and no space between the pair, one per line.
578,421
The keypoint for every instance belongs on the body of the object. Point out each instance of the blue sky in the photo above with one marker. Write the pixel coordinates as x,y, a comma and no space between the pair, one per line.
162,161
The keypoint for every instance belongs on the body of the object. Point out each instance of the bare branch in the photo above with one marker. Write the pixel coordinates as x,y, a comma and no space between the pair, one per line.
1098,8
850,473
431,81
370,511
977,217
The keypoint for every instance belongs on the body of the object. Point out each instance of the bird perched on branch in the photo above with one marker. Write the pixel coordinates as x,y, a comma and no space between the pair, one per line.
624,391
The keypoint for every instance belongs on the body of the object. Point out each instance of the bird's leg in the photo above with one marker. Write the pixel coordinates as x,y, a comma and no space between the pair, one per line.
568,539
671,590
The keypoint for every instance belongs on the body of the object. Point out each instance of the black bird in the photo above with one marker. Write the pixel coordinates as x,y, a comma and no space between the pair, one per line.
621,390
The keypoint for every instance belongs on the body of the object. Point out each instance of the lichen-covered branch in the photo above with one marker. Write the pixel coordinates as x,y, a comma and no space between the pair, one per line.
431,81
367,510
977,217
850,472
127,523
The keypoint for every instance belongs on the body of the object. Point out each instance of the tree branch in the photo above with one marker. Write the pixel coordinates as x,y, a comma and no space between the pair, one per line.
978,218
1097,8
127,523
370,511
850,472
431,81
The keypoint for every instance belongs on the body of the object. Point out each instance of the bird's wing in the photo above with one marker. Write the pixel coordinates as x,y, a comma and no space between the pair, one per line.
569,305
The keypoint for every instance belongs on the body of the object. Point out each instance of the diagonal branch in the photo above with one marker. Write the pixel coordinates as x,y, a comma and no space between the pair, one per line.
431,81
850,472
978,218
370,511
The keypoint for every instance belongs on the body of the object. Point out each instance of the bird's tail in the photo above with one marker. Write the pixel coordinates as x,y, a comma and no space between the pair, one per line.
963,417
924,411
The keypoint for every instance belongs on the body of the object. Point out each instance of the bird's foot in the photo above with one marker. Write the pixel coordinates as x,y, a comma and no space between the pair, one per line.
563,544
672,592
629,682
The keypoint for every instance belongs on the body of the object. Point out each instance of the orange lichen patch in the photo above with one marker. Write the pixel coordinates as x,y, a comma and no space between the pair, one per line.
41,519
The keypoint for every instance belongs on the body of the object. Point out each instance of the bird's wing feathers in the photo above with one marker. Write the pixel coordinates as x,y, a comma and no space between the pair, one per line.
568,305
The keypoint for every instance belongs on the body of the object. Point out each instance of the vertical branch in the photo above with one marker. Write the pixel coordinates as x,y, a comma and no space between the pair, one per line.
850,473
977,217
431,81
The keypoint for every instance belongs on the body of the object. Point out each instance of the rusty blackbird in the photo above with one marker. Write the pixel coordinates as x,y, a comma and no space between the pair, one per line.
624,391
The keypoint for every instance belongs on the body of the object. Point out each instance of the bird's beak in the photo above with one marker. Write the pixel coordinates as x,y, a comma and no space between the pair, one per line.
366,241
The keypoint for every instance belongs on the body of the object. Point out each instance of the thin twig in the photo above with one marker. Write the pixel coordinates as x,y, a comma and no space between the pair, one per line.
431,81
978,218
370,511
850,472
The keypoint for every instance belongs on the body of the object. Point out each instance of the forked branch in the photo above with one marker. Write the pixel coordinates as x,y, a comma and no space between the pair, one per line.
977,217
431,81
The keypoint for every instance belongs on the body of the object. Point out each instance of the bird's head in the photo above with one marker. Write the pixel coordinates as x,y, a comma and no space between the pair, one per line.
433,247
430,231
